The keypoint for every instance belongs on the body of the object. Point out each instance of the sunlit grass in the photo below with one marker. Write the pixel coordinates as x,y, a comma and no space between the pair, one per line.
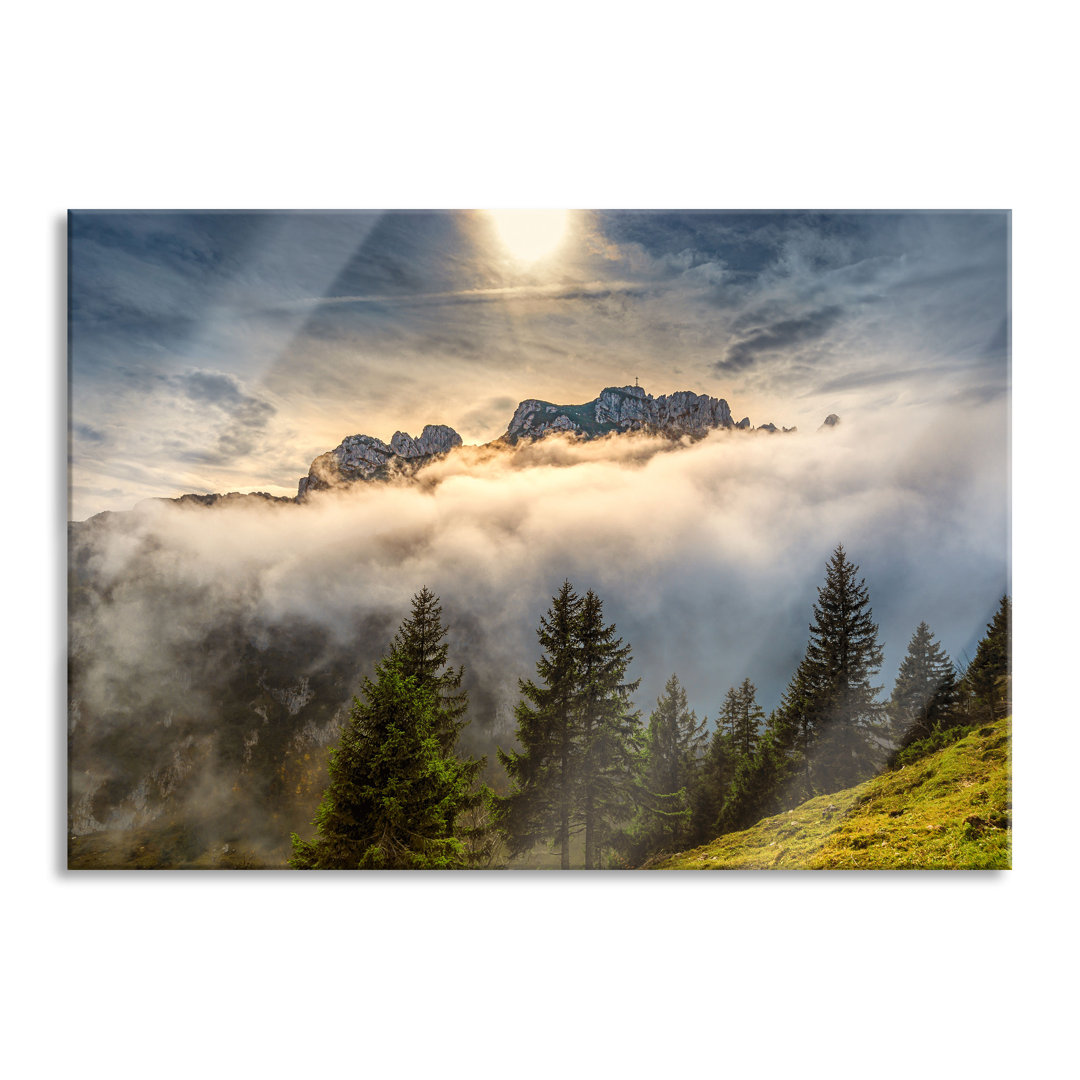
949,811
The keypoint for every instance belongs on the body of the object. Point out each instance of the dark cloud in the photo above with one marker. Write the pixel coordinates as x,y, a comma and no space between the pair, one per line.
87,434
211,386
783,334
225,392
744,243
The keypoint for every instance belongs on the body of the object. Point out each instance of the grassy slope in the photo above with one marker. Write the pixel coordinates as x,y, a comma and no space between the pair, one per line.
949,811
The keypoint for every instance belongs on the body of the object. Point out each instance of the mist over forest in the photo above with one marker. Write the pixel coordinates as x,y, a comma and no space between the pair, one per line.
215,651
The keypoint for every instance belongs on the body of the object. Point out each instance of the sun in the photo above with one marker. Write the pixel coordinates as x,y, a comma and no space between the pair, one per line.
529,235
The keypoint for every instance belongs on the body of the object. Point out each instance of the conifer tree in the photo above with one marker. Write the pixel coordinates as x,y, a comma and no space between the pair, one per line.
714,780
420,648
759,785
545,772
674,745
794,724
734,741
986,685
924,694
607,724
397,791
742,716
728,711
394,794
829,717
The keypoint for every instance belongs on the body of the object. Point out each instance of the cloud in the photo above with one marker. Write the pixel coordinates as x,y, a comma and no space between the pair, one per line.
247,416
859,380
226,393
491,416
87,434
703,552
783,334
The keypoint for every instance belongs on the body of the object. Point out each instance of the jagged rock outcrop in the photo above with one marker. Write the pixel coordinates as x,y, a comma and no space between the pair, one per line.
435,439
616,409
830,421
622,408
363,457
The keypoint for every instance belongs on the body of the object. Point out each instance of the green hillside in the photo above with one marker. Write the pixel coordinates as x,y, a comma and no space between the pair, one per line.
951,810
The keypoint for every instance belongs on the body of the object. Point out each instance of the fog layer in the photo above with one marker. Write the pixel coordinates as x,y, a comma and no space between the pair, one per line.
706,555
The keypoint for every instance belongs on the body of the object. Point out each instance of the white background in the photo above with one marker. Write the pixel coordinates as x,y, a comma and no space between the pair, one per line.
123,105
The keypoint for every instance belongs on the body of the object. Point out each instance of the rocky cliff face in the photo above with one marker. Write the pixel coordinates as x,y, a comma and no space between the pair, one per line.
622,408
363,457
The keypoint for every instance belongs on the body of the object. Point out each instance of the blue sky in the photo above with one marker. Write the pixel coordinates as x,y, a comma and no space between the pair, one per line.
223,351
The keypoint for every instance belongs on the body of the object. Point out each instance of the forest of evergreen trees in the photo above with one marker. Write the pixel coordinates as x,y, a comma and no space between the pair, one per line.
590,780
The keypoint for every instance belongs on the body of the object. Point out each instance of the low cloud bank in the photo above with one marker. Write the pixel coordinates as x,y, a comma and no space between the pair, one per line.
706,555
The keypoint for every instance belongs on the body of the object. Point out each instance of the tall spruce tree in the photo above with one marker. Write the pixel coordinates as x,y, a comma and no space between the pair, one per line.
829,717
577,763
734,741
420,648
728,712
714,778
924,694
607,725
987,683
544,772
398,793
674,746
395,794
742,716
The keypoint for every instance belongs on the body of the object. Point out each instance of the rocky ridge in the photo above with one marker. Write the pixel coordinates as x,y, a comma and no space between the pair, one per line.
622,408
363,457
617,409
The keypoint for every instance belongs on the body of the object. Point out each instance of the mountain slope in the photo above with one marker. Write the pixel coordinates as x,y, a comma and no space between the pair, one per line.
951,810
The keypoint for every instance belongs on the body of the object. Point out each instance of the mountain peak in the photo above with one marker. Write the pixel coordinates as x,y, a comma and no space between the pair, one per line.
363,457
621,408
616,409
